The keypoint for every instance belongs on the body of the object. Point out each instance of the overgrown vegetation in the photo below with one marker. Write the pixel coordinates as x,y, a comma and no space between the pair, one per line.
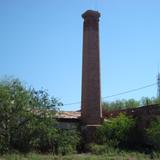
27,121
28,124
124,132
153,133
115,131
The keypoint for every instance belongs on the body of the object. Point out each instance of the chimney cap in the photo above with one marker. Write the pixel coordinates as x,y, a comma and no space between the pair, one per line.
91,13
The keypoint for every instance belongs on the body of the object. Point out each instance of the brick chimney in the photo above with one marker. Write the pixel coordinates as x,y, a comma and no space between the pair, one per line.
91,111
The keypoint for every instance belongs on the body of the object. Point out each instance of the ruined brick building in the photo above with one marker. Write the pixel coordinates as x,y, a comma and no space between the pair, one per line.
91,114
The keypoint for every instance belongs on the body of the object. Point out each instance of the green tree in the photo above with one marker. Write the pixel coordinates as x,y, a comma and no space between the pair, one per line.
120,104
145,101
24,114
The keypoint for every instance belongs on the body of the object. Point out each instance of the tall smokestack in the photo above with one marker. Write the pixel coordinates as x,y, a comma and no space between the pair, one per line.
91,111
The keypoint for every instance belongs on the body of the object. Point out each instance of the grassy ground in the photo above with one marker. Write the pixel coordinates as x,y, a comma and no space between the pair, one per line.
108,156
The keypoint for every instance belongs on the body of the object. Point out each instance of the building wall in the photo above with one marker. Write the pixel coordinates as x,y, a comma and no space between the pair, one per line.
145,111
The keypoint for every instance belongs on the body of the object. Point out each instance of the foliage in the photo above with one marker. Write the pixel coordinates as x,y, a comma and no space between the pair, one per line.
115,131
27,120
27,123
120,104
67,141
131,103
145,101
153,133
99,149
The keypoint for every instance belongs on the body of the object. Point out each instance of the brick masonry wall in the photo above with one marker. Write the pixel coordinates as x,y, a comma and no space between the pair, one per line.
143,115
144,111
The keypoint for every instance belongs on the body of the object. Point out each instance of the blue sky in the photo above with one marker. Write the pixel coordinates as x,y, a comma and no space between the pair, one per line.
41,44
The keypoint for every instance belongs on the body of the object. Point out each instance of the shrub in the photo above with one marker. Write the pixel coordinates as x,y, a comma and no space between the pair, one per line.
96,149
102,149
67,141
3,145
115,131
153,133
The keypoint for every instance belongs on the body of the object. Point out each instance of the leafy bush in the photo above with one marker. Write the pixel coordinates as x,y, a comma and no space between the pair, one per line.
153,133
115,131
67,141
3,146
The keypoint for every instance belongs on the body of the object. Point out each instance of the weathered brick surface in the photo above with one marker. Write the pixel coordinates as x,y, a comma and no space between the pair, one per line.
91,112
143,116
144,111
